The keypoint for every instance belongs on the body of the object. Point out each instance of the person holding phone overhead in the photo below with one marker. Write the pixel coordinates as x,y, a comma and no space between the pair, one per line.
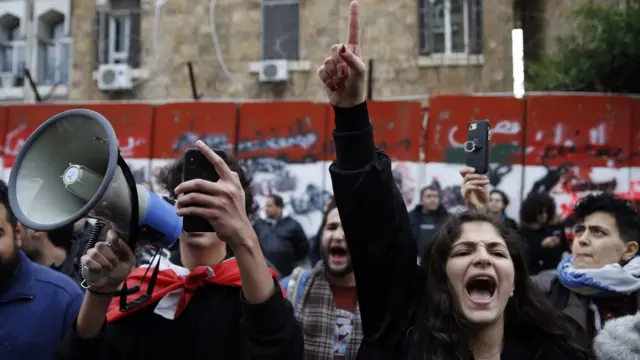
472,297
212,307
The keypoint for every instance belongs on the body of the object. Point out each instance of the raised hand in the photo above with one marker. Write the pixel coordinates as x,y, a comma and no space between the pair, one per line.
475,188
222,203
112,259
343,73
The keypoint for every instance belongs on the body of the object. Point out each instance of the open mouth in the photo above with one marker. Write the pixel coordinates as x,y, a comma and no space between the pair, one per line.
197,234
481,288
338,252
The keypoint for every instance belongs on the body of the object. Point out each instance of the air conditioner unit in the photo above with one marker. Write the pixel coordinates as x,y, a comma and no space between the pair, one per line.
273,71
112,77
7,79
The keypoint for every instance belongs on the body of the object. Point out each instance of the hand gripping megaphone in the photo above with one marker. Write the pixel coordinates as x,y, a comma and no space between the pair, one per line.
70,167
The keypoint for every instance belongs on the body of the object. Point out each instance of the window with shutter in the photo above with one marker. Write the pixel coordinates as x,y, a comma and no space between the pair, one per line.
54,51
280,30
12,54
450,27
118,33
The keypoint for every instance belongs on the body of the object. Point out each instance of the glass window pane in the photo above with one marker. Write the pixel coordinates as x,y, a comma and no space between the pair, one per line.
120,30
50,67
457,26
19,68
438,26
57,30
63,66
7,58
14,33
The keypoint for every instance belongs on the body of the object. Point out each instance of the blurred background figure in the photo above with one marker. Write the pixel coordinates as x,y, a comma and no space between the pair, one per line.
282,238
427,217
498,202
544,236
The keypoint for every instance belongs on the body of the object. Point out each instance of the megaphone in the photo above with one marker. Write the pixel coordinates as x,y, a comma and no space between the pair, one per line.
70,167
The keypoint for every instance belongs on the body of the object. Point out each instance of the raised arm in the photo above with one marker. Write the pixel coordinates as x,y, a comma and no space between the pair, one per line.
372,210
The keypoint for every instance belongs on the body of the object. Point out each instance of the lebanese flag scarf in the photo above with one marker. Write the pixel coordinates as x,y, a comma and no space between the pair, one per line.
175,286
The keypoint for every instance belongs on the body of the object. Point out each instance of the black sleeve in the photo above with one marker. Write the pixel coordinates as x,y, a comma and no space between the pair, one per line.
271,331
378,233
76,348
564,241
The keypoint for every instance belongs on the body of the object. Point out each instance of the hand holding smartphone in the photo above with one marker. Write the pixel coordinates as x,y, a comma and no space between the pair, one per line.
477,146
196,166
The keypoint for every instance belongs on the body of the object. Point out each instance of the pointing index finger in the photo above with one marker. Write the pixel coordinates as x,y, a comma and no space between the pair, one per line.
218,163
354,24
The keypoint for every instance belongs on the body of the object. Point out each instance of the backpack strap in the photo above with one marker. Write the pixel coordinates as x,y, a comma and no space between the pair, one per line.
302,281
294,284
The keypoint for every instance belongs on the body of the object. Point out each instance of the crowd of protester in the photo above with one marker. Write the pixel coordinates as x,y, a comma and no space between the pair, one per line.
378,281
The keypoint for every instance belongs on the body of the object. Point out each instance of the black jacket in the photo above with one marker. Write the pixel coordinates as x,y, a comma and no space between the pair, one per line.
217,324
284,243
382,248
417,219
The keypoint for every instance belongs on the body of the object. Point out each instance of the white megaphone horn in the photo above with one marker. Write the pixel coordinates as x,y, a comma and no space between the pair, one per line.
70,168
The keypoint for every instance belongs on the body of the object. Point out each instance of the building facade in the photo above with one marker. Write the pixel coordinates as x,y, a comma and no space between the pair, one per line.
100,50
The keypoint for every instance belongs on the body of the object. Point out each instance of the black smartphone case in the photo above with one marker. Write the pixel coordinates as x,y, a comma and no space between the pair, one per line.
196,166
477,146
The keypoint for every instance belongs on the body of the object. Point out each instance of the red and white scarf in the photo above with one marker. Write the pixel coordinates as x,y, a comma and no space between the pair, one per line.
175,286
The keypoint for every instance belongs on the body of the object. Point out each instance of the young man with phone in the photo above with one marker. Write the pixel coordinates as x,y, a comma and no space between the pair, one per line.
226,309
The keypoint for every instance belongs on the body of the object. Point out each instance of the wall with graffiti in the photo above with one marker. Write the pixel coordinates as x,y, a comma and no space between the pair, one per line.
564,145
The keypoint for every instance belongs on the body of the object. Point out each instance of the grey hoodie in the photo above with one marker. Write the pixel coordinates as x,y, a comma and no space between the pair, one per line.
619,339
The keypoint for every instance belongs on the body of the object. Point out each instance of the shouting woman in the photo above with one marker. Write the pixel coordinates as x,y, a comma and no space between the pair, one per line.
472,297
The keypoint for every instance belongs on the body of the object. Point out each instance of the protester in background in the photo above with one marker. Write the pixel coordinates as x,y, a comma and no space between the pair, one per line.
600,281
281,237
211,307
315,243
427,217
472,298
498,202
51,249
545,238
37,304
324,298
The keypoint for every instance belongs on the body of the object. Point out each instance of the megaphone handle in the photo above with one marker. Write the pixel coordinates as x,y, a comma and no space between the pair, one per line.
92,277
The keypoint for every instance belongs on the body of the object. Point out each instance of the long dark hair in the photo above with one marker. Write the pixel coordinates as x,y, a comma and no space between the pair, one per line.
443,332
316,252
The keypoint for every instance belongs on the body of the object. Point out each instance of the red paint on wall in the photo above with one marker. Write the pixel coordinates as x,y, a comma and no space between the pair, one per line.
397,128
450,115
582,130
131,122
291,131
177,126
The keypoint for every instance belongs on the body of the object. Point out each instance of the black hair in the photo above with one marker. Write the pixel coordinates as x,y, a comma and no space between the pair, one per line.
62,237
277,200
4,198
503,195
625,213
441,329
330,206
429,187
536,204
170,177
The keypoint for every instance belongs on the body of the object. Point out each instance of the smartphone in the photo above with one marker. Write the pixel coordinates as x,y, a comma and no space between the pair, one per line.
196,166
477,146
